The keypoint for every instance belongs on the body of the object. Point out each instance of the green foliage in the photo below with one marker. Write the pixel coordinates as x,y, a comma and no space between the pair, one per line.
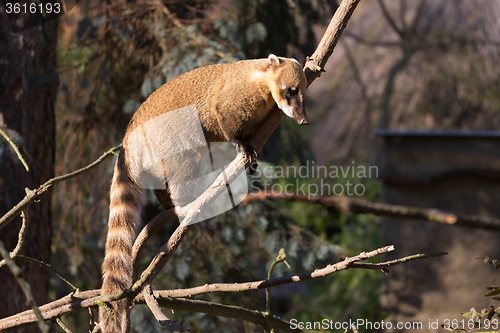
475,322
493,290
480,321
492,262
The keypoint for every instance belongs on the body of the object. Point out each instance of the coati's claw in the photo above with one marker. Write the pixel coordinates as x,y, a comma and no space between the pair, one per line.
249,154
253,167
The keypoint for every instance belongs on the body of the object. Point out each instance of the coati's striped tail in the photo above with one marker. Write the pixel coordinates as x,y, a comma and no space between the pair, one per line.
124,214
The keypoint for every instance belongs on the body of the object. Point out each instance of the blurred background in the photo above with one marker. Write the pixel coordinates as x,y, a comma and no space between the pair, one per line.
400,66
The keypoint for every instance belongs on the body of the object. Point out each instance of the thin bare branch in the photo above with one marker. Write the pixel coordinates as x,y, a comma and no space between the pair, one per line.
44,264
110,152
402,14
361,40
269,283
97,328
77,301
93,313
149,230
16,150
384,265
353,205
33,194
357,77
170,325
22,205
418,16
389,19
62,325
20,236
30,301
368,126
228,311
432,42
408,52
280,258
72,302
316,63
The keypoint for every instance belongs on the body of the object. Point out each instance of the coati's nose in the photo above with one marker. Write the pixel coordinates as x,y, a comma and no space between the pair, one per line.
304,122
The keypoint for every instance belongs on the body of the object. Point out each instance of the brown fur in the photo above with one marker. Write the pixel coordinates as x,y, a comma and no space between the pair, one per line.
231,100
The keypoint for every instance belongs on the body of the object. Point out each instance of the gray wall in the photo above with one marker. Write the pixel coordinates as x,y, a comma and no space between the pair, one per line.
454,171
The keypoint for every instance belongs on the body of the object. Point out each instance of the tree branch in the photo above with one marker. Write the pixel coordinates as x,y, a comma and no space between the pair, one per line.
316,63
229,311
153,305
170,298
72,302
361,40
44,264
352,205
33,194
280,258
27,318
384,265
20,237
30,301
149,230
270,283
390,20
62,325
16,150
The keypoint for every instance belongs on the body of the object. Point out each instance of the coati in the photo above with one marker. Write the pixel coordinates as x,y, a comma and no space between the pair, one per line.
230,100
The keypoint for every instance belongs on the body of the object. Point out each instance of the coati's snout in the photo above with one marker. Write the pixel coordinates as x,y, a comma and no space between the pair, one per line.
298,108
299,115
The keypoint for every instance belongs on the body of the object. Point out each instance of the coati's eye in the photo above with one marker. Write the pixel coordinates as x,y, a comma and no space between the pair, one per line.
292,91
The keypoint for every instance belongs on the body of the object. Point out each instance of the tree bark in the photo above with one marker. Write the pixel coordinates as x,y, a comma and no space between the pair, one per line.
28,86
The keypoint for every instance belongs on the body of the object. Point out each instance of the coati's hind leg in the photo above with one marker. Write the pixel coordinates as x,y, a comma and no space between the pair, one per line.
164,198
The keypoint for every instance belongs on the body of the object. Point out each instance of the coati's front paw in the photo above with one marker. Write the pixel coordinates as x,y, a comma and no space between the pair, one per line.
250,155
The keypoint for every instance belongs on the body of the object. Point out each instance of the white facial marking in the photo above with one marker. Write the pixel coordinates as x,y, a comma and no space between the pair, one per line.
287,109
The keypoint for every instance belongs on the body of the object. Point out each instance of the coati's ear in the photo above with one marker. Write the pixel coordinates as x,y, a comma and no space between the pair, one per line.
273,60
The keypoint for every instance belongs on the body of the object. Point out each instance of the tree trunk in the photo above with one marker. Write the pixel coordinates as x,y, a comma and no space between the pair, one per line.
28,86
